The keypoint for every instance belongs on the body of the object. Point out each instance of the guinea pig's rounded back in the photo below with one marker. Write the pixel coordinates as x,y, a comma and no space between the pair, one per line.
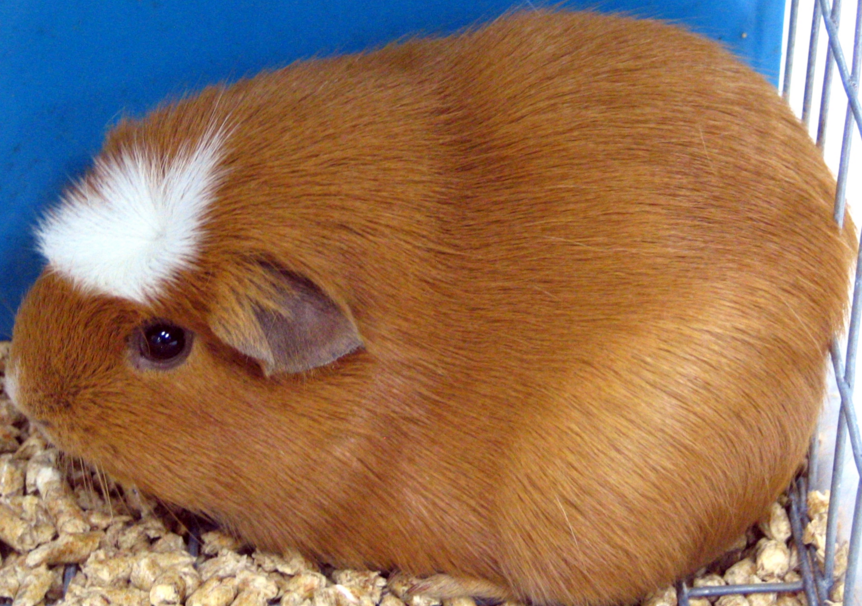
677,238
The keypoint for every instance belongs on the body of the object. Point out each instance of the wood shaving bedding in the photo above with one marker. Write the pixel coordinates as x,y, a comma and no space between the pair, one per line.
129,552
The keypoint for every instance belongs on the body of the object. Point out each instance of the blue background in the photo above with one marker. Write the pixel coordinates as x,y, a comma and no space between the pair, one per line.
69,68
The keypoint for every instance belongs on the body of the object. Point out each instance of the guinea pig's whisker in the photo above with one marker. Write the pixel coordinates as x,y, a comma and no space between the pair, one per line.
66,467
103,481
87,476
78,473
173,515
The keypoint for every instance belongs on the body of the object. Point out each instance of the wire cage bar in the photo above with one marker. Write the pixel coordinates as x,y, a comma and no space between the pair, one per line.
817,582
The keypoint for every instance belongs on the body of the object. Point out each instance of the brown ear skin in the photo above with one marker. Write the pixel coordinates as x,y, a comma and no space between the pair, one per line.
289,325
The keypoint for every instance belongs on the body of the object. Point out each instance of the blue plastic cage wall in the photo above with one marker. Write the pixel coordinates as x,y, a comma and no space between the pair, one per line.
69,69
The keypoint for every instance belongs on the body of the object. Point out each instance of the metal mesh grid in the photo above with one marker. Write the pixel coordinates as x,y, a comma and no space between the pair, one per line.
816,583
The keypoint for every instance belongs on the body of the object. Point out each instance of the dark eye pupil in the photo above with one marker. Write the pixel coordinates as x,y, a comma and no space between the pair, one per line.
163,342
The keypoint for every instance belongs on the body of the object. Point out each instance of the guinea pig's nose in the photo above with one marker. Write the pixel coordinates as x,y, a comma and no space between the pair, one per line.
10,385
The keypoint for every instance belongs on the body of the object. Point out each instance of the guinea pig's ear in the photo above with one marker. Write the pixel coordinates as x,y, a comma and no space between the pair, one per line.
284,321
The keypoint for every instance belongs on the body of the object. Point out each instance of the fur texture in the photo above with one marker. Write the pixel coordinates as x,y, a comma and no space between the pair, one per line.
135,222
592,266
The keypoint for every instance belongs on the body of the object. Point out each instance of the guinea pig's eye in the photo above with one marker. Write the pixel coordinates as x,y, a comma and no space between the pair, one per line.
160,345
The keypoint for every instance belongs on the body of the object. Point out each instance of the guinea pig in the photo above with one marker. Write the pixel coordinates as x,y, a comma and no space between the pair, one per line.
539,311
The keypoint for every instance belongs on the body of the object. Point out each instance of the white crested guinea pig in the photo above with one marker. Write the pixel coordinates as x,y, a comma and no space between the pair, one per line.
539,311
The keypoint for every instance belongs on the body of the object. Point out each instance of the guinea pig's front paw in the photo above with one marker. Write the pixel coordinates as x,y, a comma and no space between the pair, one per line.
445,587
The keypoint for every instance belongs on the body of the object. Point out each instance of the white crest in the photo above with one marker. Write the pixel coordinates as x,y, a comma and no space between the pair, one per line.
135,223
